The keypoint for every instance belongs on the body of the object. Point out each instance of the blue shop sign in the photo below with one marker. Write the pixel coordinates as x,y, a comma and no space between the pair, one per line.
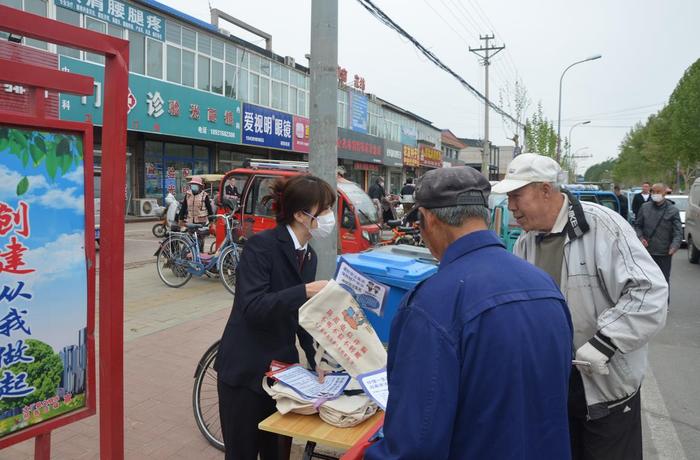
266,128
358,104
120,14
156,106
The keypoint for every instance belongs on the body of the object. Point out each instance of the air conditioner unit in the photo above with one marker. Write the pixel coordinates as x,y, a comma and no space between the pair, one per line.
144,207
288,60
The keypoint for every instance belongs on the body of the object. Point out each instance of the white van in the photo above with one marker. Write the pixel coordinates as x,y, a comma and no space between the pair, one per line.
692,223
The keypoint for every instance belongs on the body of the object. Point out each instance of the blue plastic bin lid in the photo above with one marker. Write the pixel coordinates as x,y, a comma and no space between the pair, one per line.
399,271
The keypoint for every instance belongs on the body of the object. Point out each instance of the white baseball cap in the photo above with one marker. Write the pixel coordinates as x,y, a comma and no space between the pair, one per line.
527,168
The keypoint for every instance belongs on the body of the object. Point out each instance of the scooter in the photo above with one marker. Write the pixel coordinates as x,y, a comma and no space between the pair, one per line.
168,216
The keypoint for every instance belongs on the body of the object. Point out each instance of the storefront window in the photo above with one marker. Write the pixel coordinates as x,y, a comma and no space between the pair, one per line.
203,73
174,64
154,58
153,158
36,7
217,77
188,68
96,26
72,18
137,52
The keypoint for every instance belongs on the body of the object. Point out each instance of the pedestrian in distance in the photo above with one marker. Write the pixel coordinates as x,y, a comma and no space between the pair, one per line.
482,373
641,198
616,294
408,187
624,204
659,228
195,207
275,277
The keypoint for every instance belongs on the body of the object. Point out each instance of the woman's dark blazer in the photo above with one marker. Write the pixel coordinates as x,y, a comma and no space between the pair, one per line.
264,321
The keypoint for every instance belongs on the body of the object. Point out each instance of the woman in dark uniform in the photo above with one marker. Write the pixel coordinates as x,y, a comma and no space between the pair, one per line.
275,277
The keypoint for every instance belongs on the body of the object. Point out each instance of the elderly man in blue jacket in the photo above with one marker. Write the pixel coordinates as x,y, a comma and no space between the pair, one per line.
479,354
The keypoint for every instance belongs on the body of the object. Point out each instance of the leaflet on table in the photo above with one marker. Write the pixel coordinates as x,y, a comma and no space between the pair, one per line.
376,385
306,383
370,294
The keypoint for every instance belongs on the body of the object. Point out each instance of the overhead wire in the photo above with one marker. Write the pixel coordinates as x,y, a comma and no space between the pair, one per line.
385,19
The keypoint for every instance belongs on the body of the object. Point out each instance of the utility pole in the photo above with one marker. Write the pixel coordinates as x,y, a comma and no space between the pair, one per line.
485,60
323,155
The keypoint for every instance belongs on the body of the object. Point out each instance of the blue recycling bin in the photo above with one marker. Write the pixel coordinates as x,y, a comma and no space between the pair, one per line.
400,273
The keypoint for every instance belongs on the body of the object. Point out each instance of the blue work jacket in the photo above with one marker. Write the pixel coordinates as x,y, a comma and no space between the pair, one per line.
479,361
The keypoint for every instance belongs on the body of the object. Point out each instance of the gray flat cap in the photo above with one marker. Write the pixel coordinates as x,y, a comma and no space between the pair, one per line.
444,187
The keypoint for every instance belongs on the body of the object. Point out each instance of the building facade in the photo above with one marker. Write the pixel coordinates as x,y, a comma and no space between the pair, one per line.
202,100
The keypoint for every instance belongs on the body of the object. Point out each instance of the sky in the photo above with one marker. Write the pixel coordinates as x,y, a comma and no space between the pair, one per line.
646,46
58,307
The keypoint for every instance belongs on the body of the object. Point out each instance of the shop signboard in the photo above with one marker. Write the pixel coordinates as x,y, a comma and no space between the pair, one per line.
360,147
393,153
46,342
156,106
358,111
302,134
430,157
411,156
409,136
120,14
266,127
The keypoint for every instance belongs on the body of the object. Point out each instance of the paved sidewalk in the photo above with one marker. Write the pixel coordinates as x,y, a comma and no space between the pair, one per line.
158,403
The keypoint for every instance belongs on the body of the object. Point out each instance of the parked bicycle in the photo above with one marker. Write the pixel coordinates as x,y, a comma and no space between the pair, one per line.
179,257
205,398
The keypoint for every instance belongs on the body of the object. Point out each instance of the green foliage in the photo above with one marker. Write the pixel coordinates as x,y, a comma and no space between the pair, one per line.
667,143
600,171
58,152
44,374
541,137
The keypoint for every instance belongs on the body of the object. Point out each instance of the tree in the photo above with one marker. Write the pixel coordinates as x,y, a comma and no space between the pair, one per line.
44,374
600,171
541,137
515,101
667,145
58,152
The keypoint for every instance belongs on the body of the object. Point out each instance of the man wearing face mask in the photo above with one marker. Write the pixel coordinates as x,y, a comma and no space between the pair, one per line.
196,206
659,227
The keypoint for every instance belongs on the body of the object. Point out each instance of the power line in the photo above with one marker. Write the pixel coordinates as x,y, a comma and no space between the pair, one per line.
466,42
614,112
384,18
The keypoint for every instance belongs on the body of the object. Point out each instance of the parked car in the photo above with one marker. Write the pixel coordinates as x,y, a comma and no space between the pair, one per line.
692,223
594,195
358,222
681,202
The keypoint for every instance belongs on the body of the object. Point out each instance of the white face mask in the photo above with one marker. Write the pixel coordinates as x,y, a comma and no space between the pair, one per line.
326,223
657,197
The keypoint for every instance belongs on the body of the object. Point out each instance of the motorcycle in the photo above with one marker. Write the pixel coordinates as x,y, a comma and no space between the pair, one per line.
168,217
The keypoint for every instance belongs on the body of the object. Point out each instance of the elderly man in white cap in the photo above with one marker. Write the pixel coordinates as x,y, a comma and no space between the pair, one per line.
616,294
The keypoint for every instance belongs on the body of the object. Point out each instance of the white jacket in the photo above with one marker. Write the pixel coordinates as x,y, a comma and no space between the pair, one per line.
615,291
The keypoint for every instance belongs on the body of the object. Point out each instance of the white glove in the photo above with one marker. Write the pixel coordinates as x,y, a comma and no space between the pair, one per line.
599,362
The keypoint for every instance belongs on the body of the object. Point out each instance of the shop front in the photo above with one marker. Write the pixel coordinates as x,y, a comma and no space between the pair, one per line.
393,160
172,129
411,161
430,158
361,155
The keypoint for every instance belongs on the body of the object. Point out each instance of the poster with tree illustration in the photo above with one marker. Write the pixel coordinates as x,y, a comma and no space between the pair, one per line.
43,277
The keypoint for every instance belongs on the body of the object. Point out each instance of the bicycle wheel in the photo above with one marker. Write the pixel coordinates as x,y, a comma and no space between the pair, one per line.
205,399
228,264
173,261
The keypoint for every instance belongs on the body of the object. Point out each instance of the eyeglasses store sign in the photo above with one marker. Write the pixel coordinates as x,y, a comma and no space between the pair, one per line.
120,14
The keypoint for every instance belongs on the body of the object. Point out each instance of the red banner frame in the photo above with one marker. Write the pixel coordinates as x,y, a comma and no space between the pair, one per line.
111,298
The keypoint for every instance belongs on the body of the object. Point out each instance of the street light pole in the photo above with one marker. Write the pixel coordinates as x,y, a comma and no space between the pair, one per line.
568,153
592,58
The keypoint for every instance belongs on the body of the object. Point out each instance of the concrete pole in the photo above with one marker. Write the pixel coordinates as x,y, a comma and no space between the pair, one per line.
323,155
486,154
